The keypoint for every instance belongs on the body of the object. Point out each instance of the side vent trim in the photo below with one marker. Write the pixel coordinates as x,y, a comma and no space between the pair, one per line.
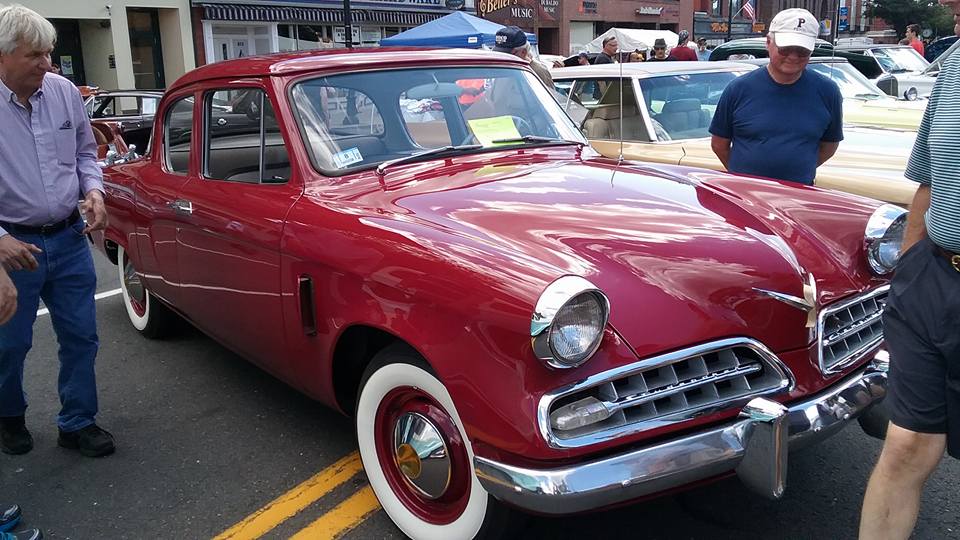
308,310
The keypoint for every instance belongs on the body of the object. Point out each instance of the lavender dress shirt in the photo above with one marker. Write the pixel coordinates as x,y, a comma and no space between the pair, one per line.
48,156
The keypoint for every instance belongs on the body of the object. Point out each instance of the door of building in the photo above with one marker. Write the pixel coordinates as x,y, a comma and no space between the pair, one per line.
145,48
67,53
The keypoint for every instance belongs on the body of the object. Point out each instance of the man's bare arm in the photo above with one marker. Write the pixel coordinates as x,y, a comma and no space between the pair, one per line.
721,147
827,150
916,224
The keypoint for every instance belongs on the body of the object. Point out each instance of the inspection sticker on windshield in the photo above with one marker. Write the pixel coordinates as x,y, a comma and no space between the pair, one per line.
347,157
487,130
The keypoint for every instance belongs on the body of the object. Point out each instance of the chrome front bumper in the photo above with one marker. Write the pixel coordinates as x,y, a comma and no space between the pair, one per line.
755,446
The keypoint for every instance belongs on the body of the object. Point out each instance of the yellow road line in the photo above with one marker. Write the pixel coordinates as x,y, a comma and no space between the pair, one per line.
341,519
290,503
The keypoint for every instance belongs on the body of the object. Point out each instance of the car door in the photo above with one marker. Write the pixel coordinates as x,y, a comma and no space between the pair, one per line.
158,197
229,248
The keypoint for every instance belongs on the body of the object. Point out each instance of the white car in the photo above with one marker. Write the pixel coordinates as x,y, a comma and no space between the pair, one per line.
902,62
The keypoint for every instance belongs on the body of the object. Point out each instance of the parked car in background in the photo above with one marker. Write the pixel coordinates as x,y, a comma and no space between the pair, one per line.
934,49
667,109
863,103
512,319
131,110
934,68
904,63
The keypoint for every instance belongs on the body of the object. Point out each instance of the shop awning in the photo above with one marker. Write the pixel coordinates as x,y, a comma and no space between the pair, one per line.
288,14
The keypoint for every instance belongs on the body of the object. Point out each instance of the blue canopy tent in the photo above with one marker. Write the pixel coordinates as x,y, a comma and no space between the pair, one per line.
457,29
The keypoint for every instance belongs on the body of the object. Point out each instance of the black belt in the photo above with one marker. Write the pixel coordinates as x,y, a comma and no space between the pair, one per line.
50,228
951,257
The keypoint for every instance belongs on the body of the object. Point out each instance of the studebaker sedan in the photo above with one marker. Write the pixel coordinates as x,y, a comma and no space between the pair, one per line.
513,320
664,112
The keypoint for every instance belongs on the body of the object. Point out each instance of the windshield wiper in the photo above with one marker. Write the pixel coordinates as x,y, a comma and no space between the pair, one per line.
382,168
536,139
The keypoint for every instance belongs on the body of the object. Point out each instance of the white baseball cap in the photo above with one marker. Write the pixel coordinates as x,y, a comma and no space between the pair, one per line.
795,27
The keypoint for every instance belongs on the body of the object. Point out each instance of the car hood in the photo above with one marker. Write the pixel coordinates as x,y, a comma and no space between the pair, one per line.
679,252
884,112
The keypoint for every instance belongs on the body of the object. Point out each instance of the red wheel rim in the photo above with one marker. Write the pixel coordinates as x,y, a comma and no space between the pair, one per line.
450,505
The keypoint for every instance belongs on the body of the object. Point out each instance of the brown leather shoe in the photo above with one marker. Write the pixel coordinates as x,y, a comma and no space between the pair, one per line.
14,437
92,441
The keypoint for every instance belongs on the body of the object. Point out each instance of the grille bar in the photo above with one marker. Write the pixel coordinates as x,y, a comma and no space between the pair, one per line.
850,328
667,389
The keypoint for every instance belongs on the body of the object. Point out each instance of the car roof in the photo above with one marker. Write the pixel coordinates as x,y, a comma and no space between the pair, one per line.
646,69
813,60
763,40
292,63
874,46
151,93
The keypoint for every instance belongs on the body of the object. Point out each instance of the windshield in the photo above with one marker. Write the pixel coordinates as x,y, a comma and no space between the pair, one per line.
852,83
682,106
900,59
359,120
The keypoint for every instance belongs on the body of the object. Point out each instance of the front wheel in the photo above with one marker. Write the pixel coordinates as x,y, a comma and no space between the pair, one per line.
417,457
147,314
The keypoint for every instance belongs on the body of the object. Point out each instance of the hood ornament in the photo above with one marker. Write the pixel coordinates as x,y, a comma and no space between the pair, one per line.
808,303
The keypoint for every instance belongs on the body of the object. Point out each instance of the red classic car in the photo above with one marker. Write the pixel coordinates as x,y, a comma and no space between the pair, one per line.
513,320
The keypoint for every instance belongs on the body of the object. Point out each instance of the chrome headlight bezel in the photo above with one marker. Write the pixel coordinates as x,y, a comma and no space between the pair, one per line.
887,225
555,298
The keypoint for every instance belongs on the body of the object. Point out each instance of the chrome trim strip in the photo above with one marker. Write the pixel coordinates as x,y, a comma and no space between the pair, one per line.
754,446
857,355
543,409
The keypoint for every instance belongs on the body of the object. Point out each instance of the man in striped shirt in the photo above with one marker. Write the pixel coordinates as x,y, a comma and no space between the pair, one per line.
922,321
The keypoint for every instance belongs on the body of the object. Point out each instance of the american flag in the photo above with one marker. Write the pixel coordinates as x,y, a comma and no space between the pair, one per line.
748,11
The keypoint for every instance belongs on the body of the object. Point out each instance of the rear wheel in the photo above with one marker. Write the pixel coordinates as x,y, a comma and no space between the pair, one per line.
416,454
147,314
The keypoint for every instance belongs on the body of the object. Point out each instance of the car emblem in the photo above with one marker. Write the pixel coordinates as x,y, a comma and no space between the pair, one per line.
808,303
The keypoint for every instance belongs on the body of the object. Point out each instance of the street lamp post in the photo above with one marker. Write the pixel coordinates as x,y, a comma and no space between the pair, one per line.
347,24
729,18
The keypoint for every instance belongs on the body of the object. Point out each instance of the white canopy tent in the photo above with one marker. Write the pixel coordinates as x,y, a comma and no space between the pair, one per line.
631,39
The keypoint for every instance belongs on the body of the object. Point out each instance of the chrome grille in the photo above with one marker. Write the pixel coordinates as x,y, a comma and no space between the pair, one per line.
668,389
850,329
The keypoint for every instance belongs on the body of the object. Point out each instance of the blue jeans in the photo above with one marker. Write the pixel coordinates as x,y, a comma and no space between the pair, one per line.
66,281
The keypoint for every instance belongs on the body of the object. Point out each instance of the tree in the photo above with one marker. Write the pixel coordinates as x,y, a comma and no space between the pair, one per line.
900,13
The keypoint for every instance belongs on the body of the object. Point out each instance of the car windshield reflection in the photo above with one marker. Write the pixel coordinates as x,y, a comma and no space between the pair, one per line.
360,120
852,83
681,106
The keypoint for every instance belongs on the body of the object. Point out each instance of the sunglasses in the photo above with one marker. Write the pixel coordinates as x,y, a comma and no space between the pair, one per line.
659,48
794,51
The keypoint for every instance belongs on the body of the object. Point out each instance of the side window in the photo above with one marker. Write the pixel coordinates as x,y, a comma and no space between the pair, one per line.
148,106
177,134
589,92
425,121
243,141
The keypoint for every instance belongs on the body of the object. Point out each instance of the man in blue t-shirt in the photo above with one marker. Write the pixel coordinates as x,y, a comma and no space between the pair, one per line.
783,121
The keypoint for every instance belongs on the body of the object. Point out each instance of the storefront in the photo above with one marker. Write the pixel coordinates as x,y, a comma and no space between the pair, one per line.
232,28
564,26
116,45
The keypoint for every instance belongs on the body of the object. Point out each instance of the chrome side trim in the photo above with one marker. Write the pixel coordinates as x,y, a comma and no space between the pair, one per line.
766,355
755,447
858,353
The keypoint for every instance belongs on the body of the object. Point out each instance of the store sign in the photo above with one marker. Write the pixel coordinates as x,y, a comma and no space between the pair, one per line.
454,4
340,34
650,10
506,8
588,6
759,27
549,6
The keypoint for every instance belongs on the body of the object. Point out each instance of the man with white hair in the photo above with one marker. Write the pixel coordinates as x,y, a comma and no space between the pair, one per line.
47,163
783,121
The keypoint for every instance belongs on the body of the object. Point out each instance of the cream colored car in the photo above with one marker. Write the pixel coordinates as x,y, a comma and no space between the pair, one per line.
678,100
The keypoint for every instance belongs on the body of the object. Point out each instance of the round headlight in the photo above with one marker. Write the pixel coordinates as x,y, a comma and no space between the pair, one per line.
568,322
911,94
883,238
577,329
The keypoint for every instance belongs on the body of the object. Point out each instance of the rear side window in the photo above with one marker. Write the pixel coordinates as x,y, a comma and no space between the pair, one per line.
243,141
177,135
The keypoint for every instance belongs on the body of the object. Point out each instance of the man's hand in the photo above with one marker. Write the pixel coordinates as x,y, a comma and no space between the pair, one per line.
8,297
17,255
95,211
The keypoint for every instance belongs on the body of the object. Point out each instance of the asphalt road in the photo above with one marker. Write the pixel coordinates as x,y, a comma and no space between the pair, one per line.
206,439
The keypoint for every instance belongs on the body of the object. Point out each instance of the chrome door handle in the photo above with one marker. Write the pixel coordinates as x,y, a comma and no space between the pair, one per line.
181,206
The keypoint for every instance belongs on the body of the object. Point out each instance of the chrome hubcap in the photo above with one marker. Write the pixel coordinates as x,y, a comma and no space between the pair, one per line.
131,281
421,455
